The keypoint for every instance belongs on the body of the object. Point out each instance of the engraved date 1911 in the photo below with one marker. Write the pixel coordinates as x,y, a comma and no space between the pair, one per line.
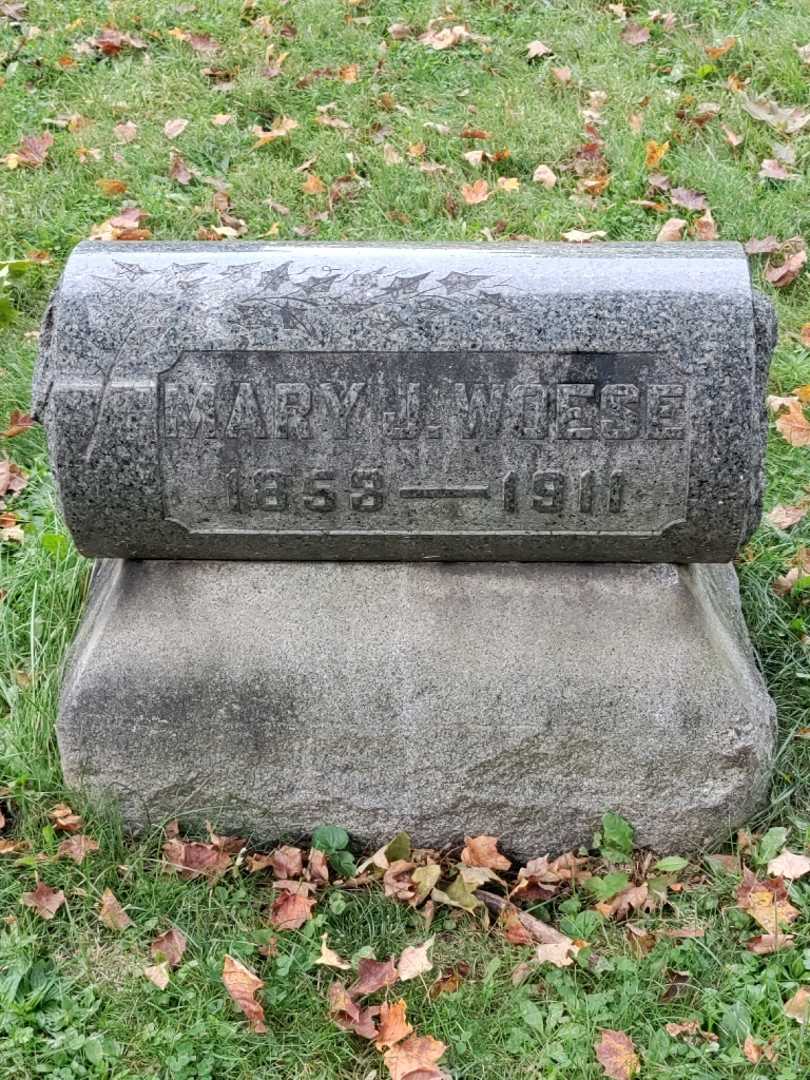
365,490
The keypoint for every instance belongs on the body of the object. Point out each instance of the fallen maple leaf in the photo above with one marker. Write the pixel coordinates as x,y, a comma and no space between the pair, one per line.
393,1026
787,272
111,188
789,864
280,130
169,947
545,176
329,958
126,132
689,1029
448,37
765,944
477,192
414,961
671,230
654,153
400,31
765,246
483,851
350,1016
192,859
689,200
373,975
18,423
630,899
31,152
44,900
766,902
798,1006
158,974
731,136
77,847
287,862
782,517
313,185
634,34
291,910
179,170
242,985
111,41
789,119
63,818
111,913
562,74
771,169
173,128
714,52
754,1051
793,425
804,335
415,1059
560,954
537,48
705,227
616,1054
508,183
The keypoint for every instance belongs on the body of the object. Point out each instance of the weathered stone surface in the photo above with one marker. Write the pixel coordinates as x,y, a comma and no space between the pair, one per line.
399,402
518,699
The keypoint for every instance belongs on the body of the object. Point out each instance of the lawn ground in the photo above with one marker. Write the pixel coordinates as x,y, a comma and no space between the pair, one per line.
74,1001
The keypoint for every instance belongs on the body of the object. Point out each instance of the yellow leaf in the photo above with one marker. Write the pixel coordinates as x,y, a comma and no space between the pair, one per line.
655,153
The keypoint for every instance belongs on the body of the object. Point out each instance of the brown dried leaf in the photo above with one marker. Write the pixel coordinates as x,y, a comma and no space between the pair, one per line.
616,1054
179,170
787,272
111,41
559,954
111,913
477,192
562,74
63,818
689,200
313,185
31,152
414,961
634,34
173,128
77,847
766,902
373,975
291,910
317,864
192,859
415,1059
329,958
393,1026
782,517
169,947
126,132
731,136
242,986
111,188
483,851
789,865
771,169
545,176
799,1005
765,944
44,900
536,49
762,247
672,230
633,898
18,423
705,227
287,862
755,1051
158,974
789,119
793,425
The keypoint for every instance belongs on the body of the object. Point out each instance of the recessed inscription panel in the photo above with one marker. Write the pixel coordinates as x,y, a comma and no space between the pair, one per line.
418,443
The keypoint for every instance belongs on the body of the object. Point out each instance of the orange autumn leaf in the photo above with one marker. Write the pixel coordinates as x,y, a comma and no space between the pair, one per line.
191,860
393,1027
793,425
313,185
63,818
18,422
111,188
415,1059
475,193
169,947
483,851
242,985
616,1054
654,153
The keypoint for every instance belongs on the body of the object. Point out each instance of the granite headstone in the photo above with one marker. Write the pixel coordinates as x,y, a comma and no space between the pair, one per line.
346,493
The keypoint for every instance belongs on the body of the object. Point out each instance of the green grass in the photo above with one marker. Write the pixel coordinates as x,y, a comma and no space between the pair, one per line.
74,1001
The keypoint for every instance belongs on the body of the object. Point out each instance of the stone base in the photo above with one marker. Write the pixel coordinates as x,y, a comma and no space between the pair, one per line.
521,700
